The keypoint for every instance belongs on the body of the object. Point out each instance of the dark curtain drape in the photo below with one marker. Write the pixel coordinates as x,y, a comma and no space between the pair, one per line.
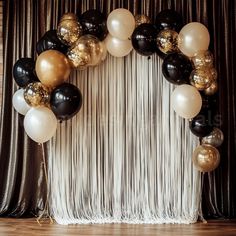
22,183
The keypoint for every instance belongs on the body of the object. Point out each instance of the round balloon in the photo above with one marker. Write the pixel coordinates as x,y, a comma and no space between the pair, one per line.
94,23
69,16
212,89
186,101
193,37
177,68
66,101
40,124
144,39
168,19
202,124
121,23
118,47
36,94
52,68
24,71
215,138
50,41
19,102
206,158
141,19
203,59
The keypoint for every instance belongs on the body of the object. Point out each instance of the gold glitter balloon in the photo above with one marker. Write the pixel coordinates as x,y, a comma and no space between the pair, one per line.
141,19
167,41
201,79
215,138
203,59
212,89
69,31
213,73
87,51
36,94
206,158
69,16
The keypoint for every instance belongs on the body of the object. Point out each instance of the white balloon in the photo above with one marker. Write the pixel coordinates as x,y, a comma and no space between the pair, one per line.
19,103
104,50
186,101
193,37
121,23
118,47
40,124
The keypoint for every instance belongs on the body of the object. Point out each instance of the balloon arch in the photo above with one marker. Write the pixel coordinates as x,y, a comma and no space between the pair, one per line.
44,96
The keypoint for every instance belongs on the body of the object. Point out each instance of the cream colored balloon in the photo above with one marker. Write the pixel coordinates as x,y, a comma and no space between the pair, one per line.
19,103
186,101
104,50
193,37
117,47
40,124
121,23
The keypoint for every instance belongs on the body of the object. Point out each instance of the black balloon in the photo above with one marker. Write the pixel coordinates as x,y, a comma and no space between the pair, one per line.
50,41
169,19
202,124
94,23
24,72
144,39
177,68
66,101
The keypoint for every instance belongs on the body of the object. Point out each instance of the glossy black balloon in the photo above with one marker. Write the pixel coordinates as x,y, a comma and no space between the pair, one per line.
177,68
94,23
169,19
144,39
24,72
66,101
202,124
50,41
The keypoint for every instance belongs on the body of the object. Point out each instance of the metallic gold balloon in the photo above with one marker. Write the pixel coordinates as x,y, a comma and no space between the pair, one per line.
87,51
212,89
201,78
141,19
203,59
167,41
69,31
36,94
206,158
215,138
52,68
69,16
213,73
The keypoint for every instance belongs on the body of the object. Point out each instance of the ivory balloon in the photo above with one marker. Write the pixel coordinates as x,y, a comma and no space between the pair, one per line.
40,124
215,138
186,101
104,50
193,37
206,158
52,68
19,103
121,23
117,47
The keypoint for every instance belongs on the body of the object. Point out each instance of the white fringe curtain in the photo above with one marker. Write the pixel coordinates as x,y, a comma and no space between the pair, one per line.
126,156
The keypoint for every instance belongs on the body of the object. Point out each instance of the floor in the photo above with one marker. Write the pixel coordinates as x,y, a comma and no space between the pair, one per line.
12,227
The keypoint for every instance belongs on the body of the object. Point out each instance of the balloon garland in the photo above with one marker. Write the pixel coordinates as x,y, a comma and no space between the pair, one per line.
45,97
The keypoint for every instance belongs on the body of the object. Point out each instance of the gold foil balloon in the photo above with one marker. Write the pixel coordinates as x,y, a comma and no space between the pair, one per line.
193,37
69,30
52,68
206,158
212,89
69,16
215,138
203,59
167,41
141,19
201,78
36,94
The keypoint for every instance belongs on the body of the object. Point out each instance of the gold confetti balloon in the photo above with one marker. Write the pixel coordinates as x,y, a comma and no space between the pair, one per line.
167,41
201,78
36,94
212,89
69,31
203,59
215,138
87,51
206,158
141,19
69,16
